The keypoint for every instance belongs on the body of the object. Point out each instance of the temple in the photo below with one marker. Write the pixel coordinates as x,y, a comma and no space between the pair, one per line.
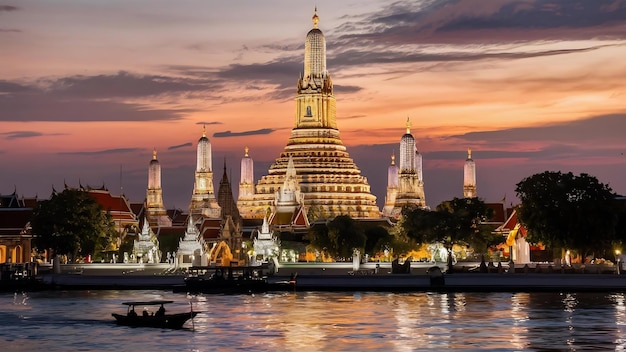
407,186
469,177
203,201
392,187
146,246
246,182
155,209
329,182
266,245
191,247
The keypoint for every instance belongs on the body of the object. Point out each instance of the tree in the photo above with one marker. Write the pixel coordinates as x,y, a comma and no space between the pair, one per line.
378,239
72,223
567,211
457,221
338,237
346,234
318,238
470,214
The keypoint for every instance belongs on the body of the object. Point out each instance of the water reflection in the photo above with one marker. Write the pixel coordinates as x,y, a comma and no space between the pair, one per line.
81,320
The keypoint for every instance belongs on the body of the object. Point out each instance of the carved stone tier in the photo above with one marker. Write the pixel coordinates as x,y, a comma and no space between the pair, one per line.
329,180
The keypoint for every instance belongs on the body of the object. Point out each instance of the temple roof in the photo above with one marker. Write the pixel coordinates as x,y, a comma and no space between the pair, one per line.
14,220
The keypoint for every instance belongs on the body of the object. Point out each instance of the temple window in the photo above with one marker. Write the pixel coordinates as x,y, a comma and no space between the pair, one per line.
308,111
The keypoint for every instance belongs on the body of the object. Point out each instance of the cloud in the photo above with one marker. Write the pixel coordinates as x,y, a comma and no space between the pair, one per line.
609,128
345,89
351,117
125,85
21,134
106,151
280,72
174,147
8,8
486,21
355,57
95,98
226,134
209,123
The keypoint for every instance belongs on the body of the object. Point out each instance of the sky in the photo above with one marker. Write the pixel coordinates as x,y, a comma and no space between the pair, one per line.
88,89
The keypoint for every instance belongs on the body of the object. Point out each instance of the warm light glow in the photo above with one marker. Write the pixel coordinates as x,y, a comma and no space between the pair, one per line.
529,96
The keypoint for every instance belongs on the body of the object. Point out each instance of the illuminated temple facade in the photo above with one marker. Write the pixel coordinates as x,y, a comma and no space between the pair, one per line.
203,200
405,184
329,181
155,209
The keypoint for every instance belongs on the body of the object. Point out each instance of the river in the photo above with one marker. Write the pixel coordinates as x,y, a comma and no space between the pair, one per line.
320,321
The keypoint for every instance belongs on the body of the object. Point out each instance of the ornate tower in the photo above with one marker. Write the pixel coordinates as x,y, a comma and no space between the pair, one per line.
191,247
155,210
226,200
469,177
246,183
203,202
330,182
392,187
288,197
410,182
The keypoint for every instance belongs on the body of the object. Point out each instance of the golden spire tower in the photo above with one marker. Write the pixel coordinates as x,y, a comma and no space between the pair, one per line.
155,208
330,182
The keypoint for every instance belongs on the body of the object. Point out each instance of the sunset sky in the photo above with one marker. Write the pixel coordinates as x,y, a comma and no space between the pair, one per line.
89,88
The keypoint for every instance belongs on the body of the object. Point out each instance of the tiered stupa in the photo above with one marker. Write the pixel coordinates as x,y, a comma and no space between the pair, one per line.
408,190
329,180
203,201
469,177
191,248
246,182
146,247
155,210
392,187
266,244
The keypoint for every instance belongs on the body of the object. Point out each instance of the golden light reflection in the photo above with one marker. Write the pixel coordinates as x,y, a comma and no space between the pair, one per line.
620,320
519,314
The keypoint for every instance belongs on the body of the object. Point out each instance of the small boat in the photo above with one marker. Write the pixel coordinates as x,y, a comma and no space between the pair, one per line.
158,319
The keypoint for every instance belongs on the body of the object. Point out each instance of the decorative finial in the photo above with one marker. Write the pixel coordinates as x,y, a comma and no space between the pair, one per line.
469,153
316,18
246,151
408,126
154,154
203,130
393,158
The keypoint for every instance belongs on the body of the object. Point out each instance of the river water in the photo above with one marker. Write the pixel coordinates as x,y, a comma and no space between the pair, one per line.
320,321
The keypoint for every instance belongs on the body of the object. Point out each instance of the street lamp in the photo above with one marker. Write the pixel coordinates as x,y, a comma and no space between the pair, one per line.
618,261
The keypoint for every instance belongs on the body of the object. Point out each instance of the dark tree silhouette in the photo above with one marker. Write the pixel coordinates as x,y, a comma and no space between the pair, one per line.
457,221
567,211
72,223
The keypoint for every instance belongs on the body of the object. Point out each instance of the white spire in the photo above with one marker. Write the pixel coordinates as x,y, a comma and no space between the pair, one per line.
469,176
315,51
204,162
154,172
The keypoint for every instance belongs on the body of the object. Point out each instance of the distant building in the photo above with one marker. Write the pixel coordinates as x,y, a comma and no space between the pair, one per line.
15,236
118,206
